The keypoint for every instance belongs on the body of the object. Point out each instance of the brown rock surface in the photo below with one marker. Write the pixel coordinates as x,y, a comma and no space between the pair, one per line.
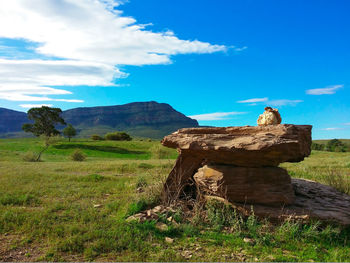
313,201
244,146
263,185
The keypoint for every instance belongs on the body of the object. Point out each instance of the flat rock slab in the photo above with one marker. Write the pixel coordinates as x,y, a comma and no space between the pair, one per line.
259,185
313,201
250,146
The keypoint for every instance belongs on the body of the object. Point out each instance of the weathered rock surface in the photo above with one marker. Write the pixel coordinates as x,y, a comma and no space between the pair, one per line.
244,146
313,201
239,146
263,185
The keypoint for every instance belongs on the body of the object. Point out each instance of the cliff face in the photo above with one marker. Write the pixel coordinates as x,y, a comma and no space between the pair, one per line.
144,119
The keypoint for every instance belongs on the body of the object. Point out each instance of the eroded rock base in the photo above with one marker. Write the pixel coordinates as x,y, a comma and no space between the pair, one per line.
249,185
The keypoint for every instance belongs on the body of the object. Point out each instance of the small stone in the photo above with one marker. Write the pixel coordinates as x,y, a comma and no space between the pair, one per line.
161,226
157,209
249,240
269,117
186,254
97,206
149,213
169,240
137,217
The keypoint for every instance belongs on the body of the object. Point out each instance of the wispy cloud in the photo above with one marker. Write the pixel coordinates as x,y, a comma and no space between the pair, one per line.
80,42
266,101
254,100
283,102
324,91
216,116
348,123
332,129
34,105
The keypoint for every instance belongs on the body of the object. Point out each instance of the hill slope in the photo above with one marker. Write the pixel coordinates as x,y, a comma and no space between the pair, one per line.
143,119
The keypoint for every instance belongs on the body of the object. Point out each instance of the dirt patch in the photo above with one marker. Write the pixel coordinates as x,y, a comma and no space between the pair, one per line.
11,250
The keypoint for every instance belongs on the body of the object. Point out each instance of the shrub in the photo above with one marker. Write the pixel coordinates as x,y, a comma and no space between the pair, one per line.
96,137
118,136
30,157
78,156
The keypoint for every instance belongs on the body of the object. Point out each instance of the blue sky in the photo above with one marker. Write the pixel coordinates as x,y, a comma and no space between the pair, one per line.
219,61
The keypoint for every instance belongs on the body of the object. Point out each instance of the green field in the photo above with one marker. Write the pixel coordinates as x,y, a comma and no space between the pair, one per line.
61,210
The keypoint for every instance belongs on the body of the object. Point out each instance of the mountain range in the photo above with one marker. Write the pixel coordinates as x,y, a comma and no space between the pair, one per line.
140,119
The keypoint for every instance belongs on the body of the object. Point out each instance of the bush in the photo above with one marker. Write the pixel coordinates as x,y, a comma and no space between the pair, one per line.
96,137
30,157
118,136
78,156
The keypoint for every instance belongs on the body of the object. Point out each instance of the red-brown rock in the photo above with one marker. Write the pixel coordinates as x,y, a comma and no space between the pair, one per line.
244,146
262,185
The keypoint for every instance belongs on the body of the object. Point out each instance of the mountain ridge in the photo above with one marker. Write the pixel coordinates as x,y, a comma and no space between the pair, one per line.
142,119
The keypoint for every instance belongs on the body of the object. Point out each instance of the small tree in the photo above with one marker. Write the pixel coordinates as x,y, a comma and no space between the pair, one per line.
69,131
45,119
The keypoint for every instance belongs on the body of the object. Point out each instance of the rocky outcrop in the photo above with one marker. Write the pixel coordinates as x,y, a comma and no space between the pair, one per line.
239,165
251,154
258,185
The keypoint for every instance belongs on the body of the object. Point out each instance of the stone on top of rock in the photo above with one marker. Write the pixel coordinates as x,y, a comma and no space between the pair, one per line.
247,146
269,117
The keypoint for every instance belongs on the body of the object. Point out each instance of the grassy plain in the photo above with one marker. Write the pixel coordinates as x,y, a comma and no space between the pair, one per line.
61,210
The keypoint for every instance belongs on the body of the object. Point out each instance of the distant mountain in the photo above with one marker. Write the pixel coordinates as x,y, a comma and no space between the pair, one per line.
11,121
142,119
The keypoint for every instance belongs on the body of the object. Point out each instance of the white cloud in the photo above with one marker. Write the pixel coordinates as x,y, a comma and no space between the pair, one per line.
266,101
283,102
254,100
91,38
34,105
216,116
332,129
324,91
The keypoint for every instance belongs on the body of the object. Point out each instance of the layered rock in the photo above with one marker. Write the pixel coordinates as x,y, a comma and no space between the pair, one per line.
244,146
267,185
238,165
253,147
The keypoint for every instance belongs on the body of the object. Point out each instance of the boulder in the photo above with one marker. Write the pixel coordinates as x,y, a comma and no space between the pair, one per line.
249,185
244,146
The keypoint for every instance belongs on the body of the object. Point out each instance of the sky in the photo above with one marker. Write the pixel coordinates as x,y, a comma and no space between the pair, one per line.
218,61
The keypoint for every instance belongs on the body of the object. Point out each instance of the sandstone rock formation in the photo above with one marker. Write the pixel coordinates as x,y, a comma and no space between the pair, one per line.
244,146
239,164
269,117
268,185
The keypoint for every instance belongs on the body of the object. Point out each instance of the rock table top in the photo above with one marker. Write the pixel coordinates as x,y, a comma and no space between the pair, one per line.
253,146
